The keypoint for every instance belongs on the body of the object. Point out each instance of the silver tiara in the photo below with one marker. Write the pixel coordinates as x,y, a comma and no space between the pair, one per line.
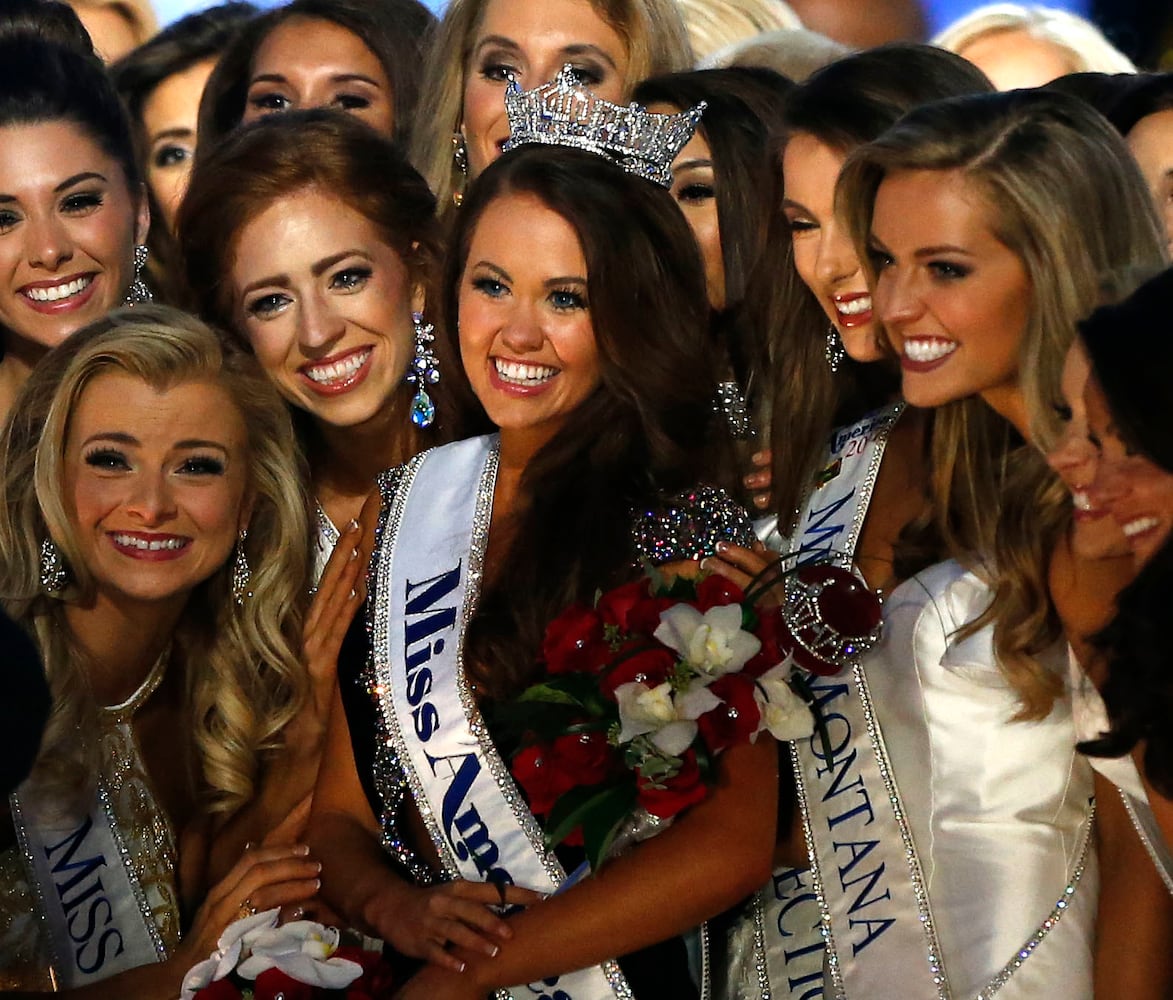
564,113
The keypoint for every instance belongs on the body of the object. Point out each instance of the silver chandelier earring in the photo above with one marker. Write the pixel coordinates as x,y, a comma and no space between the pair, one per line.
423,371
241,575
54,576
834,352
460,162
139,293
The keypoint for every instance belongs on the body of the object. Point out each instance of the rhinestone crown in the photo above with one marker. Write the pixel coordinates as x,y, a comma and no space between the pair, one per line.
564,113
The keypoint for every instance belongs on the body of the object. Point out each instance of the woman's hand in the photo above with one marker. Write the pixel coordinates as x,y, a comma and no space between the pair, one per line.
431,983
424,922
760,482
746,568
341,591
263,878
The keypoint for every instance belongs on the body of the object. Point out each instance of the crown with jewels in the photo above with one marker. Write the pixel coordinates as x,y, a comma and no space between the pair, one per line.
837,632
564,113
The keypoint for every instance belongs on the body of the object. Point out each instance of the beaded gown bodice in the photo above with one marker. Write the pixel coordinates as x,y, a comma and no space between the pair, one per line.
147,845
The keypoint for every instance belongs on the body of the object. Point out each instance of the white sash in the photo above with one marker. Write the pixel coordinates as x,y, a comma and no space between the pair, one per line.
426,591
864,869
97,917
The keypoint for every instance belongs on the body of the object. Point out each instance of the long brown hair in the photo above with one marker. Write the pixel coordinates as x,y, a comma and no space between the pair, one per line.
1068,199
647,428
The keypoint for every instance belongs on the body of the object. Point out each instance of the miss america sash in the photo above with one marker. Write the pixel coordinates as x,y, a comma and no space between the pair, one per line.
876,922
96,914
427,577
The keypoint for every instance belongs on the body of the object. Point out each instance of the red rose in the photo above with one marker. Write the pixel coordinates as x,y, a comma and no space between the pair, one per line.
650,666
644,618
775,640
736,718
574,642
678,793
615,606
375,983
536,770
273,983
714,591
221,989
583,758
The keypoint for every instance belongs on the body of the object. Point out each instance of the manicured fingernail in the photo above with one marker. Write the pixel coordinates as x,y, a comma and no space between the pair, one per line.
354,553
706,564
494,951
353,594
317,866
460,967
354,525
722,546
249,845
317,884
302,849
761,500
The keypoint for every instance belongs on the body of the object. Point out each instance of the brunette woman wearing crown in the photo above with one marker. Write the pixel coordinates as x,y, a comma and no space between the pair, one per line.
579,299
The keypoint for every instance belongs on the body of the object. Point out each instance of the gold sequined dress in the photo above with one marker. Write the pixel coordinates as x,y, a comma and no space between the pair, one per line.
145,851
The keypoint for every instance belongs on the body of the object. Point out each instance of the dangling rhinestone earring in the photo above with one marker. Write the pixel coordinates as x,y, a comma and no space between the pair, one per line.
241,575
834,352
53,574
423,371
139,293
460,162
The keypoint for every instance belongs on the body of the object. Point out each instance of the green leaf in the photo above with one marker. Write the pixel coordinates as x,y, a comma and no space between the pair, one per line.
549,692
571,809
601,824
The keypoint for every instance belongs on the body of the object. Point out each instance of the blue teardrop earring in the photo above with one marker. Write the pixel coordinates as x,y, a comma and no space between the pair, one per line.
423,371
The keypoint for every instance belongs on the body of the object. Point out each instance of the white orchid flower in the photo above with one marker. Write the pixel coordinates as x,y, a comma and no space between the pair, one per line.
233,942
713,644
303,950
671,719
784,714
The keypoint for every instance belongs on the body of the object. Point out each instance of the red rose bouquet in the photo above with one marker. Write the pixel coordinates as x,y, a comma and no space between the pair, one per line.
301,960
643,690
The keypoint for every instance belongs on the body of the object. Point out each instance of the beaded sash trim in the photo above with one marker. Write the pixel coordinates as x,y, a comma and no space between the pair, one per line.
1150,837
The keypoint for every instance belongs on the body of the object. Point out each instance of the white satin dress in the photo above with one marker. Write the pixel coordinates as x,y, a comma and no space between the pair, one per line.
999,809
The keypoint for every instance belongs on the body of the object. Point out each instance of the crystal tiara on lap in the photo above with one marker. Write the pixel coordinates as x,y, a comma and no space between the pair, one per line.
564,113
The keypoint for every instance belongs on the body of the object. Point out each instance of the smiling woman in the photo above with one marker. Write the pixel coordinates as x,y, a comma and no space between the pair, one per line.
72,207
310,237
144,466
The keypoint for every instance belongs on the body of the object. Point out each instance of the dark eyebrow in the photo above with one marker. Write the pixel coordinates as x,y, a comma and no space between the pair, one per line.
570,279
943,248
173,133
200,443
352,77
119,437
499,40
87,175
499,271
693,164
586,49
317,269
268,78
69,182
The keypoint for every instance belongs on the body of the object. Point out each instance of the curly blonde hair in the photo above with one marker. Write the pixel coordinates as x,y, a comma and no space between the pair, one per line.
1066,197
652,30
244,679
